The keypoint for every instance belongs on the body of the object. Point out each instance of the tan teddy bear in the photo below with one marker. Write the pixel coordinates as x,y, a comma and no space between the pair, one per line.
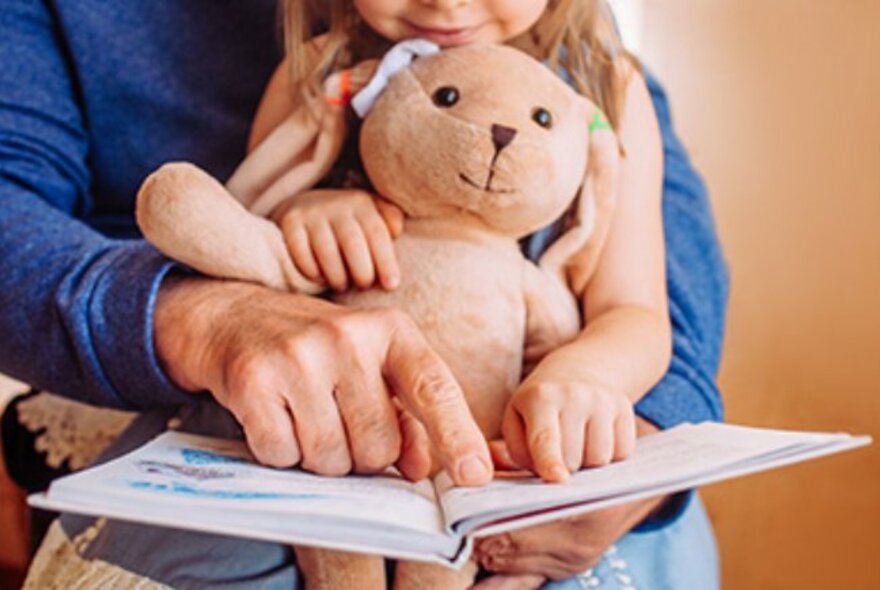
480,146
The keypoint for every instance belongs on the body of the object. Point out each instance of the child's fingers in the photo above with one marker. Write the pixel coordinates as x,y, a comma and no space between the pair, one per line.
327,252
501,457
544,439
600,439
513,429
297,239
573,434
624,435
382,250
392,215
355,250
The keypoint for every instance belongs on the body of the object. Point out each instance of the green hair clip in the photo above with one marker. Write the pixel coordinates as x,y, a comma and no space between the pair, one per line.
599,122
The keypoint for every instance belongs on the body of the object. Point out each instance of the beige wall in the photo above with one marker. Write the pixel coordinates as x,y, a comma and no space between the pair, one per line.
779,102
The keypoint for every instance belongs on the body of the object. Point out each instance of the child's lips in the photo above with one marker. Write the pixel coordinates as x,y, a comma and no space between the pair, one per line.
446,36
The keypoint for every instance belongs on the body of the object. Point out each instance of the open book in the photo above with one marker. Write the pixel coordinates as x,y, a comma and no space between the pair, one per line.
214,485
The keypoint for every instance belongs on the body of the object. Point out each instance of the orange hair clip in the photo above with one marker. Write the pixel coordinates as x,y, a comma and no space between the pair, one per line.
344,97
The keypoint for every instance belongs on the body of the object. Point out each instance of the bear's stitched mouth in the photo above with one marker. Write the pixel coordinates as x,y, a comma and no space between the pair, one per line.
487,188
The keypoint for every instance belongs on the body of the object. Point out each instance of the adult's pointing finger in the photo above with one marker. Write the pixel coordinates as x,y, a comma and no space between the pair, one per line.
428,390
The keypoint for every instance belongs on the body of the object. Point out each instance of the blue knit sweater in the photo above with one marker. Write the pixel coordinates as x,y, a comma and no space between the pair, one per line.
95,94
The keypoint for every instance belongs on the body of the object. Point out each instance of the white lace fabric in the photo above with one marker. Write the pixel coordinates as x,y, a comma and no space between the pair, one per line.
70,431
60,564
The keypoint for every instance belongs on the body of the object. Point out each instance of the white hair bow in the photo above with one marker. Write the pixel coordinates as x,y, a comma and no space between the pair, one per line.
397,58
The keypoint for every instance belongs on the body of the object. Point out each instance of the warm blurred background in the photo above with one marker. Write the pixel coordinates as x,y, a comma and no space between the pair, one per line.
779,103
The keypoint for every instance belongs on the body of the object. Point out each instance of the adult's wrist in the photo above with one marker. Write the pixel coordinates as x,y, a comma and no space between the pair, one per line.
187,314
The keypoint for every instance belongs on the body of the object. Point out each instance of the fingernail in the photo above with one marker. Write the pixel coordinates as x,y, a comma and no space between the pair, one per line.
472,470
393,282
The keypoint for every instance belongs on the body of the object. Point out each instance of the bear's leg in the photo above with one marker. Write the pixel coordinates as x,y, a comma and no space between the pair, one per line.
325,569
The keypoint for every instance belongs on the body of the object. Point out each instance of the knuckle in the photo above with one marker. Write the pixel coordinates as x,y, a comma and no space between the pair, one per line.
295,351
246,373
346,233
540,438
380,452
374,225
344,332
624,406
326,453
362,201
292,219
434,389
607,404
371,424
271,447
374,463
539,395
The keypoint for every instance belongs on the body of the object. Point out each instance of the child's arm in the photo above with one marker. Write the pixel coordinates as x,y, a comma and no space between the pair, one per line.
341,236
275,105
576,407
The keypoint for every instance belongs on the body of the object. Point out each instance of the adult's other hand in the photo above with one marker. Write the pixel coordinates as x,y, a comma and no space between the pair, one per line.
311,382
561,548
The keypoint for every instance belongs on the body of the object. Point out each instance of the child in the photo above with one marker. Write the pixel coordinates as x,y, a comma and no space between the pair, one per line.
575,408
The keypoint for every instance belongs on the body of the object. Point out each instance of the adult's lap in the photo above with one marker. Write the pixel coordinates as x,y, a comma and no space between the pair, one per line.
681,555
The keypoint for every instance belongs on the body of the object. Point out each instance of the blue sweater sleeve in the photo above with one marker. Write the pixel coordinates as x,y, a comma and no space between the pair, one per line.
697,282
75,311
697,285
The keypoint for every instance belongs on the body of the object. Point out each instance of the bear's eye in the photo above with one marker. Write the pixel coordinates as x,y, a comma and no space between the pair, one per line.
446,96
542,117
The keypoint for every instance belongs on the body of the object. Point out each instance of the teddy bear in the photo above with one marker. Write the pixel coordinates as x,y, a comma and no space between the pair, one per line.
479,146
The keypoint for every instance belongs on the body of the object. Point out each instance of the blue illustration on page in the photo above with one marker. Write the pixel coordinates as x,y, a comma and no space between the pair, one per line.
182,489
203,457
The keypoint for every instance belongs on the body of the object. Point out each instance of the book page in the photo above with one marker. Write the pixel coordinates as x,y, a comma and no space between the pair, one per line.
185,477
676,455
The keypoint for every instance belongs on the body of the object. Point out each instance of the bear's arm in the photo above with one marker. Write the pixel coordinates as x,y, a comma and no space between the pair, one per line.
552,315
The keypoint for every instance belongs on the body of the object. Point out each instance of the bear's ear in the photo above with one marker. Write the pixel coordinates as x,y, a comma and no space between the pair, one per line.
301,150
574,255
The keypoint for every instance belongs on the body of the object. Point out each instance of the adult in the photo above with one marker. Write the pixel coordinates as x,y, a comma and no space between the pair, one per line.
95,96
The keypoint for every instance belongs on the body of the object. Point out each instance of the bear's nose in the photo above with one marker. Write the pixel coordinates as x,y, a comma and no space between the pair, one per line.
501,136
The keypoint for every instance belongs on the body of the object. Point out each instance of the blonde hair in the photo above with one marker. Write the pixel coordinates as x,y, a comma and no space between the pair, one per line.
577,36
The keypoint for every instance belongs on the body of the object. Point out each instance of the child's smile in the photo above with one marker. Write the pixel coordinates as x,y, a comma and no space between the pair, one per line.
451,22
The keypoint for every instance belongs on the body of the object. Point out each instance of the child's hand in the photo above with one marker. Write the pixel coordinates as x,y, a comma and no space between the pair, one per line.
343,237
555,425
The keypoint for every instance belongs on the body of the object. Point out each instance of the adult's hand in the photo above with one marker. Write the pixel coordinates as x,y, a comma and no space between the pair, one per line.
311,382
559,549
